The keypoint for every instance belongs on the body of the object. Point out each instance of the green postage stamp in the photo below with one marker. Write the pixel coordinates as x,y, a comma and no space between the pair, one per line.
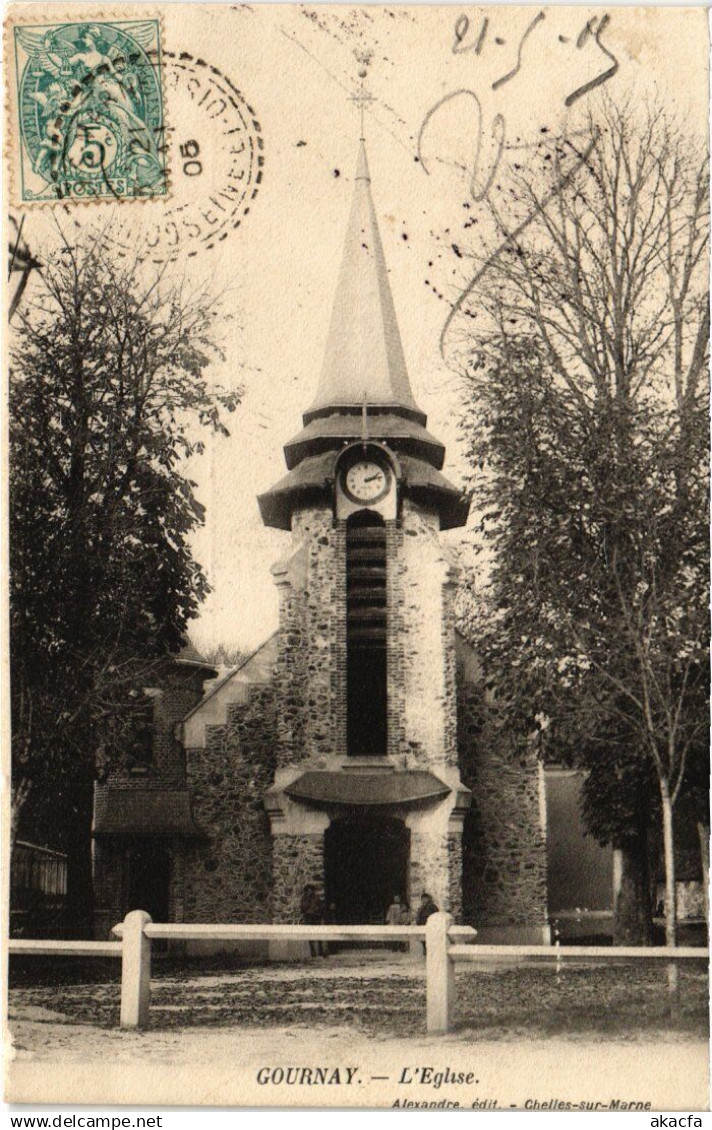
89,111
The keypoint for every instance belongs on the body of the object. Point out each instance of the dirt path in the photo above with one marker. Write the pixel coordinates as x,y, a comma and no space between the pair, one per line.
524,1036
59,1062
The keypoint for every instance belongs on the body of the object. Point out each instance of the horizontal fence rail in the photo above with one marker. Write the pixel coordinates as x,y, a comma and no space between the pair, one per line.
65,949
137,932
181,931
577,953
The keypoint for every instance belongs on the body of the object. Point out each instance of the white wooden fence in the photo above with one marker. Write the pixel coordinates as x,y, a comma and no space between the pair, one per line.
440,934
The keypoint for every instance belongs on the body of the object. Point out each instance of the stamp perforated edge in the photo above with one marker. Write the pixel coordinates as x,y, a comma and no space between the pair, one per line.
29,15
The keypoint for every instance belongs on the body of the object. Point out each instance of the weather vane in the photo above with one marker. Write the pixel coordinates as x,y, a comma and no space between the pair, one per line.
362,98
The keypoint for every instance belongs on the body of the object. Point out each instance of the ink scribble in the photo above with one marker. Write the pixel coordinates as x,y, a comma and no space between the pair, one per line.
481,179
513,235
479,186
594,27
515,70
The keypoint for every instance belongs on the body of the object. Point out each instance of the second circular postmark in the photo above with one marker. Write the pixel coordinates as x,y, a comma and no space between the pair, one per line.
215,161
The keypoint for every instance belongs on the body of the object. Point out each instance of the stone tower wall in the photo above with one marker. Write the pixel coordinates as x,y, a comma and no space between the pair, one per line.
422,638
310,670
297,860
504,838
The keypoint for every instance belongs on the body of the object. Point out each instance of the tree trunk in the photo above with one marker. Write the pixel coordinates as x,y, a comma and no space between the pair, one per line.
80,894
20,792
703,831
670,893
669,858
632,905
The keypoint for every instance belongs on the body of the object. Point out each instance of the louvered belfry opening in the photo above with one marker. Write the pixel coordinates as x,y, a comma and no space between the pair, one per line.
366,646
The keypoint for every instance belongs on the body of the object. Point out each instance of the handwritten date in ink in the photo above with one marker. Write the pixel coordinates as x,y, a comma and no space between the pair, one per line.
467,41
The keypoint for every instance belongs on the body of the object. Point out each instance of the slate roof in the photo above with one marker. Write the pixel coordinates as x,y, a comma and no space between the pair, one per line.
330,432
314,476
144,812
364,356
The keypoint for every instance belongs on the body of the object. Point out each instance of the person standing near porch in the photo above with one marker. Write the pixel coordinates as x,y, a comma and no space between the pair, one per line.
394,914
427,907
312,909
394,917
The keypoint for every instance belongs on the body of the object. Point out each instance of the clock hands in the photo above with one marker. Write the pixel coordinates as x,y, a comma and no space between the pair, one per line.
366,481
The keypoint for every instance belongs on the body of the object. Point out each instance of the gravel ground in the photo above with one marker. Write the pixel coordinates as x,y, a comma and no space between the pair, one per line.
523,1034
386,996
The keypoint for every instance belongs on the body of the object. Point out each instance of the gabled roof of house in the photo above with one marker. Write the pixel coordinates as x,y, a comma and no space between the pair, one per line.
230,675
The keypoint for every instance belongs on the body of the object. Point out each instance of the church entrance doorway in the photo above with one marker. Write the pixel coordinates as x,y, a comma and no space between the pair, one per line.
365,865
149,872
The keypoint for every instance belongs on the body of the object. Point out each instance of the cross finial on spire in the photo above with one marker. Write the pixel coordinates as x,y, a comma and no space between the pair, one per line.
362,99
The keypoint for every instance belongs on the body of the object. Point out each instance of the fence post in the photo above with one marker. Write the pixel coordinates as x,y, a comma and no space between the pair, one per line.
439,973
135,971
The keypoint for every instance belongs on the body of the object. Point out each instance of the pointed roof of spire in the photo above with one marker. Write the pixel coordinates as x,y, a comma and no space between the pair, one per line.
364,357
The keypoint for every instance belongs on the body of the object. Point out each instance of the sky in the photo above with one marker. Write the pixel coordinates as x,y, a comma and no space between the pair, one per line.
299,69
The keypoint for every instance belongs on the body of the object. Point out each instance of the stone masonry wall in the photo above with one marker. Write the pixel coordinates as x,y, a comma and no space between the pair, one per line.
290,675
307,675
503,843
436,867
426,631
228,877
297,860
454,872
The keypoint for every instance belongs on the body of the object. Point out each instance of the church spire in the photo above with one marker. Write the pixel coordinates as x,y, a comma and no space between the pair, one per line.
363,350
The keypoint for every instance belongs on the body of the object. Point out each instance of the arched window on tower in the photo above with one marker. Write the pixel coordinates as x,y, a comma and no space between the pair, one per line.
366,646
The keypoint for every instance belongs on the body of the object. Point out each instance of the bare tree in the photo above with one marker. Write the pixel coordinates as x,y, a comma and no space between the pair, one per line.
597,298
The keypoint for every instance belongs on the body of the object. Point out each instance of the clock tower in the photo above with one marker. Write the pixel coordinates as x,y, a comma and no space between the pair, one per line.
367,800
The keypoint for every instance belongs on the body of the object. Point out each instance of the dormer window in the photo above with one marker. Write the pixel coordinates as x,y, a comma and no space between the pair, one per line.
142,735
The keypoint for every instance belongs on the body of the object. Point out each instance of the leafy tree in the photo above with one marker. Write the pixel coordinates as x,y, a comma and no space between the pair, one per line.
226,655
587,428
107,386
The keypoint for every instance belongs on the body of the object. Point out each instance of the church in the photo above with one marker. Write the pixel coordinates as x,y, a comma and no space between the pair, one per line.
351,750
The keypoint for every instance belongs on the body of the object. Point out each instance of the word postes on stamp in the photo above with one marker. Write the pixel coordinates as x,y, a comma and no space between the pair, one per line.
88,111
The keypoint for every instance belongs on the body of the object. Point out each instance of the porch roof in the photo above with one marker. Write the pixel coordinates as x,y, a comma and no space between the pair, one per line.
358,789
144,813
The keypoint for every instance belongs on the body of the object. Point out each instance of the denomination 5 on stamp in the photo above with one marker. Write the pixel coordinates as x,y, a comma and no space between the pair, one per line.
88,113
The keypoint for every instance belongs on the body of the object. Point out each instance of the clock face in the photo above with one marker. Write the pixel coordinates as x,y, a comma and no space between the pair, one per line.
366,481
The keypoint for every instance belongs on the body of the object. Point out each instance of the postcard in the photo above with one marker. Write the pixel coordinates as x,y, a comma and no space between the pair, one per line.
357,432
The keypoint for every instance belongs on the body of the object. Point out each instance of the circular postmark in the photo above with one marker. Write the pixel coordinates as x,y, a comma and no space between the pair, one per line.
215,157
